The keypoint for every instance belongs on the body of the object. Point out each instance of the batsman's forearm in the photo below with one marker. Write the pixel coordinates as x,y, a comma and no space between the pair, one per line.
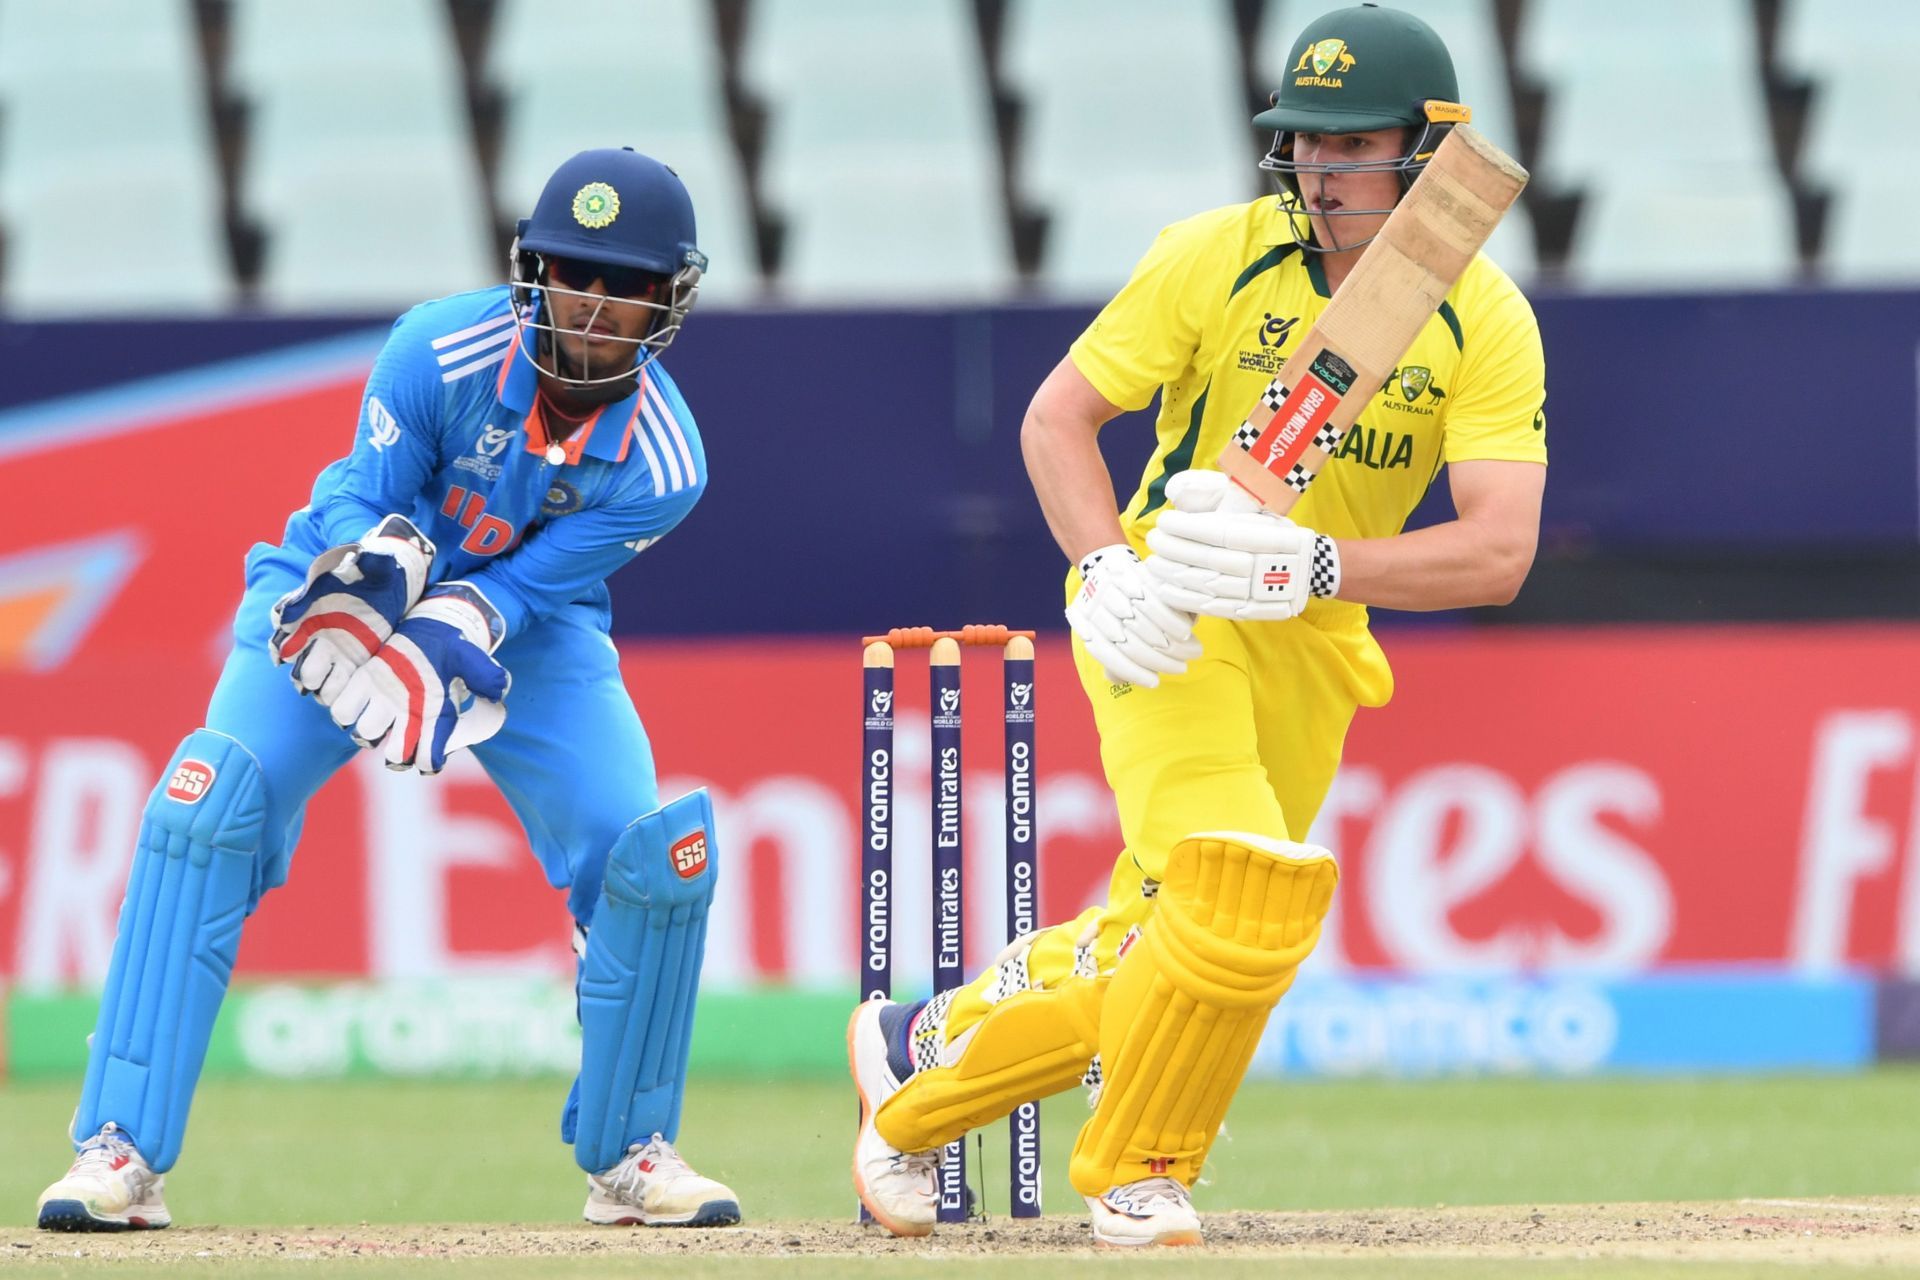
1454,565
1071,479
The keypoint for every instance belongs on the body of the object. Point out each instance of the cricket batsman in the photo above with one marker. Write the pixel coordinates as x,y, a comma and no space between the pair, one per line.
445,588
1221,709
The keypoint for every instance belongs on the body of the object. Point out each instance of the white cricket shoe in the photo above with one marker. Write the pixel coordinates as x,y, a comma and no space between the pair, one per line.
898,1187
109,1187
653,1187
1150,1211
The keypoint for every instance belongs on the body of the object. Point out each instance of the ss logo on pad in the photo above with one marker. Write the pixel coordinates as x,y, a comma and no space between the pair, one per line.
190,782
689,855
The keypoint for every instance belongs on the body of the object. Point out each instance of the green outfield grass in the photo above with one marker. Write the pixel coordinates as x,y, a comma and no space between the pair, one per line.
317,1154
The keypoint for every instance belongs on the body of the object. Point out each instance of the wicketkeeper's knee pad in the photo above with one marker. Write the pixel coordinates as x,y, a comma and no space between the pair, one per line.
1237,914
1028,1042
638,981
192,883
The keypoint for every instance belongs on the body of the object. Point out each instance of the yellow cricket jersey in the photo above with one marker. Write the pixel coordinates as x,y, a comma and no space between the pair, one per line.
1218,304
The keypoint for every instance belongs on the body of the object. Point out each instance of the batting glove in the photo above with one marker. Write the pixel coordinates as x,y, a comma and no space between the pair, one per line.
1127,629
1247,566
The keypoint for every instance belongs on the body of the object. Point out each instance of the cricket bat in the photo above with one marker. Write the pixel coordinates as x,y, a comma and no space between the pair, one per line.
1379,309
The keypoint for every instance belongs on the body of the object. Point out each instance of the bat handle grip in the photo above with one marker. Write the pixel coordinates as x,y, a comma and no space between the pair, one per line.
1238,499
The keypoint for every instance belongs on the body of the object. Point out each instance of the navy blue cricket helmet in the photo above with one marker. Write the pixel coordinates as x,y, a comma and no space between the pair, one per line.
623,219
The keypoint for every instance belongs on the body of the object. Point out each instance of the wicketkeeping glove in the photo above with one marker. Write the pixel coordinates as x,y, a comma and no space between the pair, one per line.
434,687
353,597
1124,624
1248,566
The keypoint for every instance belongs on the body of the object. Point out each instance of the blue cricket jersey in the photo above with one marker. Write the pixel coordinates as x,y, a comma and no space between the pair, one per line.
451,435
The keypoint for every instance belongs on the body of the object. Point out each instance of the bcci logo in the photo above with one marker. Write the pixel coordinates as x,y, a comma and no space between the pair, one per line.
882,702
689,855
562,499
190,782
596,205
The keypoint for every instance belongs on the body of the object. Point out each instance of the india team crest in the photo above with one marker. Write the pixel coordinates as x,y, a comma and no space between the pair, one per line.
1414,379
562,499
596,205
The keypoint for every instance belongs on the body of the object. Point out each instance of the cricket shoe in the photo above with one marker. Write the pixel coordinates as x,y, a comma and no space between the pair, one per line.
110,1187
1150,1211
898,1187
653,1187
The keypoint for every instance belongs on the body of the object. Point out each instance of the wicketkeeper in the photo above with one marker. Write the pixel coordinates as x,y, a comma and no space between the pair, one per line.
516,445
1221,704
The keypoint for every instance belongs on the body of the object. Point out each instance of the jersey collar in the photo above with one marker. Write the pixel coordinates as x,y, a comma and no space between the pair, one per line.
1277,228
607,435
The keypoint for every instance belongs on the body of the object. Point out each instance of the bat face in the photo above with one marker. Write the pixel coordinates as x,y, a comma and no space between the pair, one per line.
1349,353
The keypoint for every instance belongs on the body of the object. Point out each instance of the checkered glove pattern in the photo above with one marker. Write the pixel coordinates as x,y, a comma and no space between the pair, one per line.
1325,580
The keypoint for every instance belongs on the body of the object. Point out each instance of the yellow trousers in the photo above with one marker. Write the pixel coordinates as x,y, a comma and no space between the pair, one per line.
1246,740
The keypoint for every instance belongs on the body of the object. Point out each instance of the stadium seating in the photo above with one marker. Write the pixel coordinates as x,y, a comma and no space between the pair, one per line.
885,169
1632,83
1727,234
1829,41
360,168
890,151
108,183
1135,117
1869,237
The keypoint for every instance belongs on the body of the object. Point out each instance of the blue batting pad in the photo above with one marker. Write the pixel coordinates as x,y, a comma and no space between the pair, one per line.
189,891
638,982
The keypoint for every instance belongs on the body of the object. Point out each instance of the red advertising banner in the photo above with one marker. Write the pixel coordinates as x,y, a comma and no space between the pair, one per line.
1610,799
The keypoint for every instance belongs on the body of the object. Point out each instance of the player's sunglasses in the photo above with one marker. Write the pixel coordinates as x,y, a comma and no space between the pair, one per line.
621,281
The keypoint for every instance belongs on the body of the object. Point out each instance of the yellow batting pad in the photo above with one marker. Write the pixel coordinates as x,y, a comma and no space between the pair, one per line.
1029,1046
1184,1010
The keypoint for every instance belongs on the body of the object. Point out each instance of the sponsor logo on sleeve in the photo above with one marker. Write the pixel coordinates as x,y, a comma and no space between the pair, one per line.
382,428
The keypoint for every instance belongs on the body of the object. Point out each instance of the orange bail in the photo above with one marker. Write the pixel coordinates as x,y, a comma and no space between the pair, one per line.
974,633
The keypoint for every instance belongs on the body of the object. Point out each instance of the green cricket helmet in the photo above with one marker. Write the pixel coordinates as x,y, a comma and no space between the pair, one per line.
1357,70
